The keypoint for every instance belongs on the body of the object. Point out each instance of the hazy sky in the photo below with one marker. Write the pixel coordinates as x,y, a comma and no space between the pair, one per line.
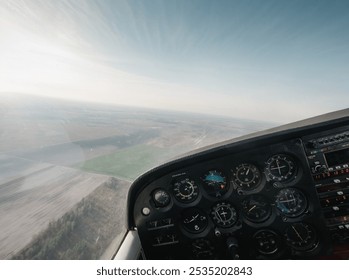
270,60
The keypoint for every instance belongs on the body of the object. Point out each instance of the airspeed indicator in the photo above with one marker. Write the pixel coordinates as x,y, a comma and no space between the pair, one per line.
185,190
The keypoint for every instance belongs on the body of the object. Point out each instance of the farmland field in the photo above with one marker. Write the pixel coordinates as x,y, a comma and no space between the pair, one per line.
127,163
38,194
55,155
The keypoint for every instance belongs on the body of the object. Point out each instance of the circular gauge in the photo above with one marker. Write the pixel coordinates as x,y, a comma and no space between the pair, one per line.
224,215
185,190
215,183
280,168
256,209
247,176
202,249
267,242
194,220
291,202
161,198
301,236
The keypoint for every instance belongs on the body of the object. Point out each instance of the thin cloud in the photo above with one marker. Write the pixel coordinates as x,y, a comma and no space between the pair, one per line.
227,59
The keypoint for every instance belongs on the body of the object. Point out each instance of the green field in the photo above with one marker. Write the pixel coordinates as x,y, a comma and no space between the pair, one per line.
127,163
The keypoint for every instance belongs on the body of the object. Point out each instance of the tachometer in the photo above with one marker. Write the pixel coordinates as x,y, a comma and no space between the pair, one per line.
185,190
246,176
256,209
215,183
291,202
280,168
224,214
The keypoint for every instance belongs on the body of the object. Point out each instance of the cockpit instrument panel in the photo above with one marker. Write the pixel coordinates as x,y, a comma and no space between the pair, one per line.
278,195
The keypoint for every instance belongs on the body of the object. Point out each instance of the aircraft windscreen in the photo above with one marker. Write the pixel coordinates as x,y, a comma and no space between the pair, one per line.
95,93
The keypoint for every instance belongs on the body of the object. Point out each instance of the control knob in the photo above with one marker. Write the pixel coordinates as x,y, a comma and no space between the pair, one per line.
320,168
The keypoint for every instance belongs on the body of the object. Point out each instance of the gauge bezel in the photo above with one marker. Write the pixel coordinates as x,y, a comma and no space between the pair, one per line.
278,239
290,175
303,208
213,193
258,221
196,191
314,241
191,211
244,188
217,221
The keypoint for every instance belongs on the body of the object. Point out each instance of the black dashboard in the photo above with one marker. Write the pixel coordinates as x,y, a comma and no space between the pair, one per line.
277,194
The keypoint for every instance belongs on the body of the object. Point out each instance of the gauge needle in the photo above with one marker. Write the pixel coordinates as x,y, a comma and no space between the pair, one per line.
223,213
288,200
248,171
300,237
197,246
189,188
253,207
193,218
278,167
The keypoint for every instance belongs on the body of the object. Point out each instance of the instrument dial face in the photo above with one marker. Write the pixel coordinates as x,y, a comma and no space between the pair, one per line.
185,190
280,168
267,242
256,209
161,198
291,202
301,236
194,220
215,183
202,249
224,214
247,176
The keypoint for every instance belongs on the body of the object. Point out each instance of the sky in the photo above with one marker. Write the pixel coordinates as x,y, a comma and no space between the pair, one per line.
273,60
